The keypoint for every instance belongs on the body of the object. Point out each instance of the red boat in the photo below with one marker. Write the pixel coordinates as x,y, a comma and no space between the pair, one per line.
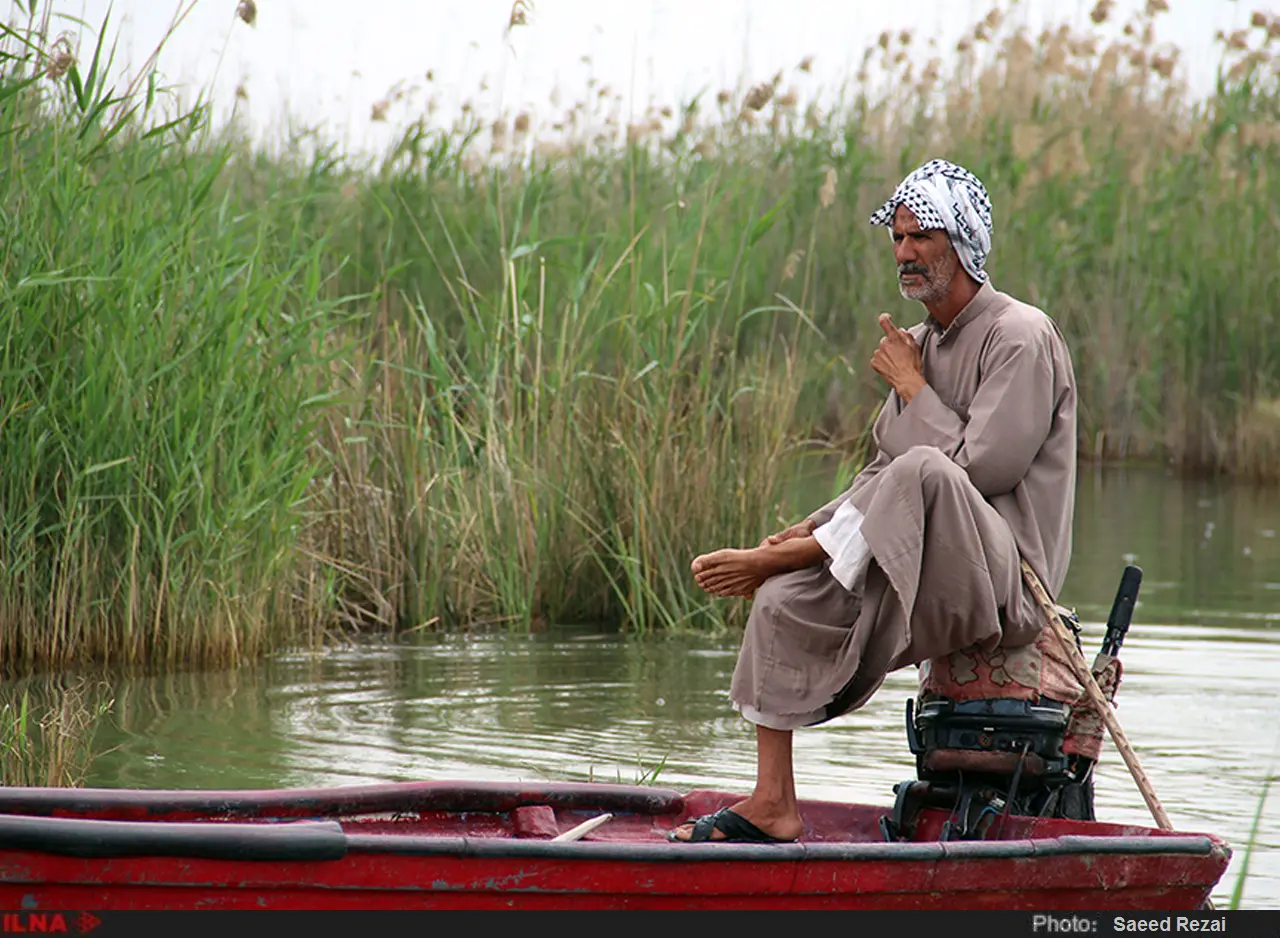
438,845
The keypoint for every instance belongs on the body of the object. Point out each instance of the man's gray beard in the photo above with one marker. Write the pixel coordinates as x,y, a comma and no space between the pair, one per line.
937,282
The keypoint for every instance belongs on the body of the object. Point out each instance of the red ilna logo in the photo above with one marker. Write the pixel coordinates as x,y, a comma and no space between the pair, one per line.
33,923
47,923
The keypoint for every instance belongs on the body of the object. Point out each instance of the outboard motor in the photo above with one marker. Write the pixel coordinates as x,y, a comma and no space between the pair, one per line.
1009,732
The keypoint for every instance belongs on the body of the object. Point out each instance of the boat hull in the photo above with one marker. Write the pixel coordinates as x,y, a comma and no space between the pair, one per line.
436,846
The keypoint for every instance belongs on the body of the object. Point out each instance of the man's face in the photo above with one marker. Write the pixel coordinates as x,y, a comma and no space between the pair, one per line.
926,260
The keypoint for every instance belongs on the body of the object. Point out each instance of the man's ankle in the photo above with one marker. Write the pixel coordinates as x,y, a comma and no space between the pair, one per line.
773,803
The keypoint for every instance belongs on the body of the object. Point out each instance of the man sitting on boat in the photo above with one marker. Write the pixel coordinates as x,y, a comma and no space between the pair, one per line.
919,560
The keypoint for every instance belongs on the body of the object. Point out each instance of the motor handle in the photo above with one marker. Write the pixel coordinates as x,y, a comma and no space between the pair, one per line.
1121,611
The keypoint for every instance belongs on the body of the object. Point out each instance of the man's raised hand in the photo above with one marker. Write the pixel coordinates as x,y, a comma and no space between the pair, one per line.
898,361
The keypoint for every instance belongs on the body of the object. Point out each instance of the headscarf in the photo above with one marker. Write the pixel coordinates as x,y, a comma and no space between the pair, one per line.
944,195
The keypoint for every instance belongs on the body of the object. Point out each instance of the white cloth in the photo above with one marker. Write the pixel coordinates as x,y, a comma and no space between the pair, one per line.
780,721
842,539
943,195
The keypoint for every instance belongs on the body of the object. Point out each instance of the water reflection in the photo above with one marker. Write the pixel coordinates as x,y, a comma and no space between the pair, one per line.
1209,549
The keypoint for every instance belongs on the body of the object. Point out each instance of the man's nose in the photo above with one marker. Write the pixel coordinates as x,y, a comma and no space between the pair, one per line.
904,251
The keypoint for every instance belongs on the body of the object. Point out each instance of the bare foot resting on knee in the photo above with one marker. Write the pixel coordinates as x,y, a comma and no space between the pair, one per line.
774,820
731,572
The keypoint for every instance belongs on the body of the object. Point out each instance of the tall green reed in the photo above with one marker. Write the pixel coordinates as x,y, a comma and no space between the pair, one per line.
159,343
558,437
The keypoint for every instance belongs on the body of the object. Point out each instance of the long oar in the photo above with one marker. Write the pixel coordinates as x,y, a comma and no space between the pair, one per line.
1085,676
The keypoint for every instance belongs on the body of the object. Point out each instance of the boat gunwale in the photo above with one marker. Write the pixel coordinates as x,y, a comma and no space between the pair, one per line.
345,800
320,840
1066,845
91,838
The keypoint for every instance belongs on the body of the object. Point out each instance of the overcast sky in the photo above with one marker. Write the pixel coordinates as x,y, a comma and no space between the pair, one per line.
331,61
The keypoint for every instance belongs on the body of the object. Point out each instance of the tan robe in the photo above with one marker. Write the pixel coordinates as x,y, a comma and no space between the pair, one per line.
977,469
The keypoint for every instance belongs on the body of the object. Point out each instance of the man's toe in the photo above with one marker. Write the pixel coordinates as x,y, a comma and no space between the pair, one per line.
687,829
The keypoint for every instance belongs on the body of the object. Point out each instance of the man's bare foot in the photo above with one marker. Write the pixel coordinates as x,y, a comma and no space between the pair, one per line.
776,820
732,572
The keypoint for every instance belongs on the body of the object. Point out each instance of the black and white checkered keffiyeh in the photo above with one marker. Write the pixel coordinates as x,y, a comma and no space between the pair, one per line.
944,195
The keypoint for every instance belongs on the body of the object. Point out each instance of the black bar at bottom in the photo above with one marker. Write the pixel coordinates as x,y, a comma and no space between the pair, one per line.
929,924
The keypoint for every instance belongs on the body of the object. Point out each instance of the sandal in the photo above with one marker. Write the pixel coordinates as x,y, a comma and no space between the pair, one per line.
734,826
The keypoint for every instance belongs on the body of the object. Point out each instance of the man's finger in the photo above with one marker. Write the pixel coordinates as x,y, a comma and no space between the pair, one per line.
886,323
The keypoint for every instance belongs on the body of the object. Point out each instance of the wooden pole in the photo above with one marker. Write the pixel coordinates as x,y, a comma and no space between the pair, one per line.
582,830
1084,675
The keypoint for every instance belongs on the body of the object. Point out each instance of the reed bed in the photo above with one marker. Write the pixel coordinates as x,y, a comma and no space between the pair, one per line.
520,371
